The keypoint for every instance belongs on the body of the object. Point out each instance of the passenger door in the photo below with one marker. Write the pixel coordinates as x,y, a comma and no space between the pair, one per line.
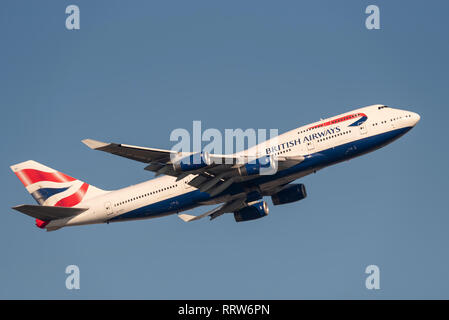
108,208
363,128
310,145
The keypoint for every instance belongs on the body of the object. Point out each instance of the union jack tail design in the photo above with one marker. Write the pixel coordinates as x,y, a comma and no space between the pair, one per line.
53,188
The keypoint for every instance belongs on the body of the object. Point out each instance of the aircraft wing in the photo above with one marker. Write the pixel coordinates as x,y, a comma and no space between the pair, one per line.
142,154
156,158
216,174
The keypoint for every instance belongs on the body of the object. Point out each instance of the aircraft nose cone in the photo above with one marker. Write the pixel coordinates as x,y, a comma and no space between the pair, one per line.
416,118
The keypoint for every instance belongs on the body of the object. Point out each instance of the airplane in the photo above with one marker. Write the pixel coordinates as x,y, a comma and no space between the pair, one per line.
236,183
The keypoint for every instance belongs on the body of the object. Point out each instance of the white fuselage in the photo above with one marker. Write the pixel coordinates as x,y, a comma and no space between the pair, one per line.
337,138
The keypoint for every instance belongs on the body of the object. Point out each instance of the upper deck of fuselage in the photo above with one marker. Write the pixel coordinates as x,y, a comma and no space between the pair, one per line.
372,113
366,118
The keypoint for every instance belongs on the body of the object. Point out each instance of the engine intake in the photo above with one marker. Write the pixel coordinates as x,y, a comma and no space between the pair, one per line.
254,211
290,193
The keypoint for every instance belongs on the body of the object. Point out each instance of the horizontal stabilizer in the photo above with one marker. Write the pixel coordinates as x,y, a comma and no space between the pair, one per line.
48,213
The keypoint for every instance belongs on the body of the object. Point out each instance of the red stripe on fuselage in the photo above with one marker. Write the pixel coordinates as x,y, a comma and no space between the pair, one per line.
30,176
341,119
73,199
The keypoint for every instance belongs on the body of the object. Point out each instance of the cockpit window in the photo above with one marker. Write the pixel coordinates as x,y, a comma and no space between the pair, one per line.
381,107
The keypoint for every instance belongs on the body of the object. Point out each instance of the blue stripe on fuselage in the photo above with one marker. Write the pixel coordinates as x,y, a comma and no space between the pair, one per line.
165,207
358,122
313,161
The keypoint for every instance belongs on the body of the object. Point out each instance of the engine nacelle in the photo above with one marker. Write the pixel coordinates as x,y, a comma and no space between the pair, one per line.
263,165
291,193
193,162
255,211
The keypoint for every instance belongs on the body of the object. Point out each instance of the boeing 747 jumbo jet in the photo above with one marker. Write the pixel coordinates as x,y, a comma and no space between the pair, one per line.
235,182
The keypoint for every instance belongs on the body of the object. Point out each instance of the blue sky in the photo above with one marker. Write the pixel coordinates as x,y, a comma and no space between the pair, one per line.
137,70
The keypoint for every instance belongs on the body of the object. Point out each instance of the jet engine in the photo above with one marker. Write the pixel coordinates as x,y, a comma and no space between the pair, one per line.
290,193
254,211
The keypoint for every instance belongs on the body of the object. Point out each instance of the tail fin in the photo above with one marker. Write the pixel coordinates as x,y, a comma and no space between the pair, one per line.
53,188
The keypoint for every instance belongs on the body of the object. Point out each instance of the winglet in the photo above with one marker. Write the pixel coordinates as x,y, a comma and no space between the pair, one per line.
94,144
